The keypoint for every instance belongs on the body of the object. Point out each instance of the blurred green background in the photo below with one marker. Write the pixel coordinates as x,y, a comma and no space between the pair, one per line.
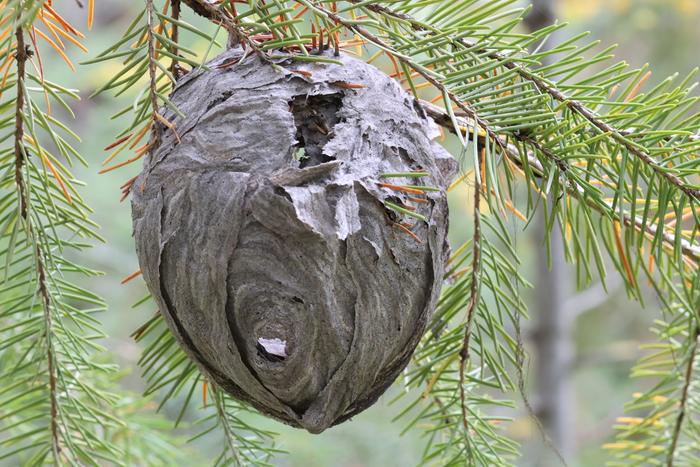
664,33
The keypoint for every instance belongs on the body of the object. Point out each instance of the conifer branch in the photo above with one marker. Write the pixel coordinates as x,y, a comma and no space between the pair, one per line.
222,415
543,86
443,119
54,404
175,36
614,133
474,291
152,74
50,357
682,408
217,15
21,57
21,60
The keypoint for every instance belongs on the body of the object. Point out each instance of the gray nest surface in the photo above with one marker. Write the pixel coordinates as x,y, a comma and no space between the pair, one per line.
264,236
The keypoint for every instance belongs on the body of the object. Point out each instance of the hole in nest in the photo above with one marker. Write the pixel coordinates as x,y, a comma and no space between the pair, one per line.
279,191
273,350
390,213
314,117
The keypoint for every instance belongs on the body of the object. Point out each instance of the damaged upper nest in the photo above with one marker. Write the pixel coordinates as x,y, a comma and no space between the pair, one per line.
289,256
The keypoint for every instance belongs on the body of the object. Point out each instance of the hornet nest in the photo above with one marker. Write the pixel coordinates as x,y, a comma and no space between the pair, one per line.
293,231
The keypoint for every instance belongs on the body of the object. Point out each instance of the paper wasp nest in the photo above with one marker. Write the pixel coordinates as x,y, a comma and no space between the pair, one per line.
268,232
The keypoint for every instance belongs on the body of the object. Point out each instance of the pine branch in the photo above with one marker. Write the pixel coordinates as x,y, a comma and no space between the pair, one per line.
546,88
467,109
474,287
152,76
56,399
231,450
21,57
436,366
683,407
465,126
175,36
21,60
211,12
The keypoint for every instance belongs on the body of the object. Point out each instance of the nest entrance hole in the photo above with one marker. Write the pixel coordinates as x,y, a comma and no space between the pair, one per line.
273,350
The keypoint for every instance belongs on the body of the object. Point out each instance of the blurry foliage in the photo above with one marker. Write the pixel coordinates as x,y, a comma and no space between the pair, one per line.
661,32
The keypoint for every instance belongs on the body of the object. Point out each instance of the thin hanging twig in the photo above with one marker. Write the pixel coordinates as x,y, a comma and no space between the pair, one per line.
153,77
688,379
21,57
175,37
473,304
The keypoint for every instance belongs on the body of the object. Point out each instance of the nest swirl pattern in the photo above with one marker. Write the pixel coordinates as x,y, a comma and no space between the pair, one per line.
264,234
